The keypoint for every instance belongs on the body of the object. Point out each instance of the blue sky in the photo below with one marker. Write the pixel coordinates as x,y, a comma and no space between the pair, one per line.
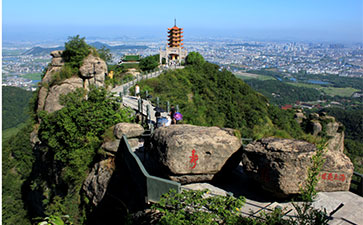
337,20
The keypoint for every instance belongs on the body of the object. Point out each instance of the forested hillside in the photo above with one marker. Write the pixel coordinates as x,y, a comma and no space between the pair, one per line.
209,96
15,106
281,93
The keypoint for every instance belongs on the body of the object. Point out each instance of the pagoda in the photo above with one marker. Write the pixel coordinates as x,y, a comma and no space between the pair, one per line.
174,53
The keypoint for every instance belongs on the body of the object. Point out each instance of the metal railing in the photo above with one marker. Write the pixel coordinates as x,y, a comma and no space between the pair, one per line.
154,186
356,185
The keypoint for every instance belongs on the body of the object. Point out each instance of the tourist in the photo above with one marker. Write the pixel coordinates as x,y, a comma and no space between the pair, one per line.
171,114
137,90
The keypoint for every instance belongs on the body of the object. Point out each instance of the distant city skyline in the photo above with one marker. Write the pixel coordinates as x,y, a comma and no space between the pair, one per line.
308,20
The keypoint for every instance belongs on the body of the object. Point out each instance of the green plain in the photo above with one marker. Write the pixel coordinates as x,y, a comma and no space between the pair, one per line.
332,91
248,76
33,76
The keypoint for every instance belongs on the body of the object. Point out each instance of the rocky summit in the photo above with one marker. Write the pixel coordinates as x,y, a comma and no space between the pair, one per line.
280,166
188,153
92,72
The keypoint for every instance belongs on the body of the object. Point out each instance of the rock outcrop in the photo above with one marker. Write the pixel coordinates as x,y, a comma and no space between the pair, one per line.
129,129
280,165
190,153
95,186
92,72
299,116
327,126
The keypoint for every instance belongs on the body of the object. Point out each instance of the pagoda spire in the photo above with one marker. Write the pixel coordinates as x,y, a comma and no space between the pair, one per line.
174,22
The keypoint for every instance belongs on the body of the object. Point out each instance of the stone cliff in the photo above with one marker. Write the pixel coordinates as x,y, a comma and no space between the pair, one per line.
92,72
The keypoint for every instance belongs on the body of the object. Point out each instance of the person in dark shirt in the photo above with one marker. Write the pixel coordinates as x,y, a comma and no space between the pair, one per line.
172,112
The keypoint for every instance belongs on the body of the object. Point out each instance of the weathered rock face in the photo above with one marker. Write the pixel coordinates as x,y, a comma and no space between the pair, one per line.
95,185
327,126
299,116
94,70
323,125
190,153
280,165
52,103
93,73
128,129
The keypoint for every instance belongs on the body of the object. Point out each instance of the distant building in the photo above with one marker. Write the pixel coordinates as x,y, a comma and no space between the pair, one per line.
357,94
174,53
286,107
130,59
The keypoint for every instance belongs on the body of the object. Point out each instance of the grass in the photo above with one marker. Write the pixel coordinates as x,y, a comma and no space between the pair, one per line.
305,85
33,76
332,91
247,76
344,92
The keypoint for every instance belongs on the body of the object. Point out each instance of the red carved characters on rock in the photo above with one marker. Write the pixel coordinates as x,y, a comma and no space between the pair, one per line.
333,177
193,159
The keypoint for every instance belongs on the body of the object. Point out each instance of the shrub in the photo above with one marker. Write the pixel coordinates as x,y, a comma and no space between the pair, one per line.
149,63
194,207
76,49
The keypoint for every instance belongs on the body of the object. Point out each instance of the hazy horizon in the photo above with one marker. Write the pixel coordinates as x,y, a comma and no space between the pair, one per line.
322,21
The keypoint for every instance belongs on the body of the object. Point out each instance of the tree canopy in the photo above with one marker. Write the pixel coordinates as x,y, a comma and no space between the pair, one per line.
15,106
149,63
76,49
104,54
194,58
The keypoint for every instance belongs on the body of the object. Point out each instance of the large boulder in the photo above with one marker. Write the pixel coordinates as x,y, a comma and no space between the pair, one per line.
130,130
280,165
190,153
94,70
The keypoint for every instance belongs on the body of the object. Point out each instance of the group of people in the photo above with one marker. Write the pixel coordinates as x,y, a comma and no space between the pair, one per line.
163,120
173,117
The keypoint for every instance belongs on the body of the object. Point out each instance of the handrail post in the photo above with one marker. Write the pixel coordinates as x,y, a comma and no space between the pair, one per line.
177,108
148,113
167,106
139,104
125,90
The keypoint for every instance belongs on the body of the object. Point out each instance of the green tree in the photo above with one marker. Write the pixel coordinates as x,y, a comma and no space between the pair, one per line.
17,162
149,63
76,49
105,54
194,58
72,136
15,103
